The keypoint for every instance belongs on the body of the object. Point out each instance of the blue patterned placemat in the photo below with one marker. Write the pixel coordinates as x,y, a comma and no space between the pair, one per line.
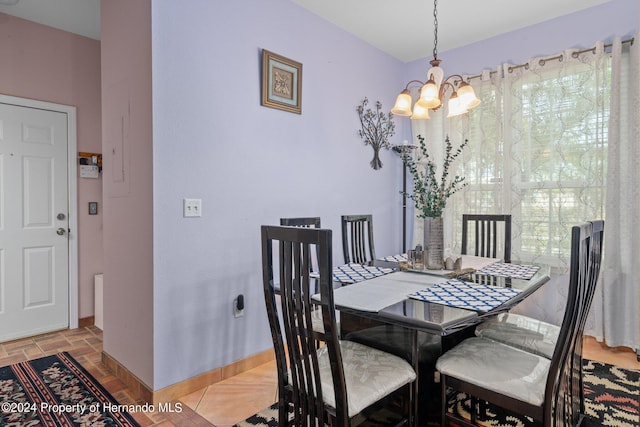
394,258
514,271
457,293
353,273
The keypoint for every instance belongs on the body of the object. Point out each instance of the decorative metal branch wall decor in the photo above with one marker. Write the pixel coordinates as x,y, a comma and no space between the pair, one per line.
377,128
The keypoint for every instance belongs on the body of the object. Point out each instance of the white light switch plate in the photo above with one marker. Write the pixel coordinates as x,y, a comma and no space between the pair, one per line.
192,208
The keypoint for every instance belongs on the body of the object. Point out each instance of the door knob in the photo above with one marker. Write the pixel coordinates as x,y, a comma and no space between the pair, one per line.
60,231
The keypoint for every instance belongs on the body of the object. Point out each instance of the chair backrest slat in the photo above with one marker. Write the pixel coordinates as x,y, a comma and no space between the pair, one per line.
357,239
486,230
494,234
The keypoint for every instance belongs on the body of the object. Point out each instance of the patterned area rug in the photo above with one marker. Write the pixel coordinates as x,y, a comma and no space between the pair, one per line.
56,391
612,395
612,398
269,417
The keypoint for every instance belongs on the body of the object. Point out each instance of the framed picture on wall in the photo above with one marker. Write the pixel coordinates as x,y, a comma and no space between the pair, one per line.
281,82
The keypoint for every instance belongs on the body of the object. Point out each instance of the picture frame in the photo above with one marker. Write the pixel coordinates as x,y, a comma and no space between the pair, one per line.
281,82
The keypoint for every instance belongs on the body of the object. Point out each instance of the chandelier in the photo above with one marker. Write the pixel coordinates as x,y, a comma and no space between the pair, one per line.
433,91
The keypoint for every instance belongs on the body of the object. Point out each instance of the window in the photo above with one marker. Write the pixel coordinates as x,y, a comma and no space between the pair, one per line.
538,150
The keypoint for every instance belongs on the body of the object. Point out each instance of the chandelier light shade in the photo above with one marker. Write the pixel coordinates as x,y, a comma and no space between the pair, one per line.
420,111
435,89
402,107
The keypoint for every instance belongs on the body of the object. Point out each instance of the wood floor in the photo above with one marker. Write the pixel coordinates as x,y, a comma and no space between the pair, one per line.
222,404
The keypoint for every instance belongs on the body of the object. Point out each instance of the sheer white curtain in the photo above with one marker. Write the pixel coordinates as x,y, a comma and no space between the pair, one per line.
618,323
554,143
556,132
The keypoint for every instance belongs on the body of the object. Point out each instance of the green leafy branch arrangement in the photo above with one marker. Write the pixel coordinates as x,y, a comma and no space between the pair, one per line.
376,129
430,193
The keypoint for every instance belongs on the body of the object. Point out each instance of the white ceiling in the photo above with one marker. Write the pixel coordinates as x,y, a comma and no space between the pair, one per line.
402,28
76,16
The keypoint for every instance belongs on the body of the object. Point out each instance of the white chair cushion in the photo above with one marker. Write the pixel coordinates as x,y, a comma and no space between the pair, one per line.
370,375
498,367
523,332
316,321
399,341
318,324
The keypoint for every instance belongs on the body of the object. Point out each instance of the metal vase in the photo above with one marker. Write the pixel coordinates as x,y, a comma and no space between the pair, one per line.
433,243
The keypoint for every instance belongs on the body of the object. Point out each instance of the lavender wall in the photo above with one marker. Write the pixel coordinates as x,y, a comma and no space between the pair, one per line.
251,165
51,65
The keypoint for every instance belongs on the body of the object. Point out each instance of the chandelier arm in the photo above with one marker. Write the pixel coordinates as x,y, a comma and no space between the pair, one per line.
421,83
443,87
455,83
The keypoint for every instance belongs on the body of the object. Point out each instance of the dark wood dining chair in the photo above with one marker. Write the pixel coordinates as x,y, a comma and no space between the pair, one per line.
525,332
310,222
481,232
547,390
357,239
341,382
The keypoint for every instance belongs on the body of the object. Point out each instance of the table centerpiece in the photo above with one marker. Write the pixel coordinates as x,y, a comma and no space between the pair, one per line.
430,194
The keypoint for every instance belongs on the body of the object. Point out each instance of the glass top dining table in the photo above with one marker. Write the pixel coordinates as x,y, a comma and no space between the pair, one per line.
402,297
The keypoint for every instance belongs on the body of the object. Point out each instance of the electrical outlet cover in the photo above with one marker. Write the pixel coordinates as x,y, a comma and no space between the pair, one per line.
192,208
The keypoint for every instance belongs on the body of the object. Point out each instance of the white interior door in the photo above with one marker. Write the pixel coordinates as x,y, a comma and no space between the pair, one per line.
34,221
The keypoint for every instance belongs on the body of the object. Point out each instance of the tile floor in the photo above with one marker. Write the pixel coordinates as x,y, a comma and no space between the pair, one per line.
220,405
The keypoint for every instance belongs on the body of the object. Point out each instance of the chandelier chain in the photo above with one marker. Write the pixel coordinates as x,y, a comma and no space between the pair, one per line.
435,29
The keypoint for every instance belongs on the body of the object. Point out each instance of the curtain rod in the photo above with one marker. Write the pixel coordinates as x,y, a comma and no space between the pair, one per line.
543,61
